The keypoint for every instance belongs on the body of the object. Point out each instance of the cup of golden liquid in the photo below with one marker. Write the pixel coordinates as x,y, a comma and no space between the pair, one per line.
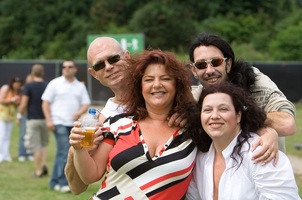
88,132
89,123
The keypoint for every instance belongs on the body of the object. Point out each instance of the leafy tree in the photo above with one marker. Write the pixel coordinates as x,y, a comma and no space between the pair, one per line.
37,27
58,29
287,45
113,13
165,25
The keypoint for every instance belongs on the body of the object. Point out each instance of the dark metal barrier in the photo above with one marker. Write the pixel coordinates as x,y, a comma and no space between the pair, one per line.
287,76
53,68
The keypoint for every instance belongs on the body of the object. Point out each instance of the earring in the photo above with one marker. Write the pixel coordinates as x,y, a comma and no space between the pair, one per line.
195,75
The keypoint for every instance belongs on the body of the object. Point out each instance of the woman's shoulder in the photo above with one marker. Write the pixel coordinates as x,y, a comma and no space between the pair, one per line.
118,124
247,146
120,119
4,90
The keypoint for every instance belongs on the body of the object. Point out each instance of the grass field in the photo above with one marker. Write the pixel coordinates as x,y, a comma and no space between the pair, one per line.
17,182
296,139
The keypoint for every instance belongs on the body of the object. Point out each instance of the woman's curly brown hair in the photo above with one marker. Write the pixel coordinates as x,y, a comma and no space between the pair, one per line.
183,104
133,97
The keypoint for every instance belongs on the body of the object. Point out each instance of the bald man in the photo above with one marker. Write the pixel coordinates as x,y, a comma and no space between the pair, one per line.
107,64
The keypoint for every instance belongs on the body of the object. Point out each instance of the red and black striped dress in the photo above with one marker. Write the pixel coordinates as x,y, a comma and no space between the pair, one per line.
133,174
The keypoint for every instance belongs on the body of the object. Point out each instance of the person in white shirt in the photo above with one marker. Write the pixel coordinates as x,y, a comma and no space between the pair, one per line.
230,117
65,99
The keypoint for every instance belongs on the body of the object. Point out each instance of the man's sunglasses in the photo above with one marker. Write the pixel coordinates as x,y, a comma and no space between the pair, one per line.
215,62
67,67
111,60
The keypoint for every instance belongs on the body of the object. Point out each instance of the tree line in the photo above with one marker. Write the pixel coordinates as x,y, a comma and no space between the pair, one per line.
258,30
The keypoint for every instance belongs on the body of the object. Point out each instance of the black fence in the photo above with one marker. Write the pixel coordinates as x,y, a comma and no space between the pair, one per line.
53,68
287,76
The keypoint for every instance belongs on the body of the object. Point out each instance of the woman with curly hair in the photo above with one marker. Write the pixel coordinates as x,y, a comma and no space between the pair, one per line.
231,118
142,157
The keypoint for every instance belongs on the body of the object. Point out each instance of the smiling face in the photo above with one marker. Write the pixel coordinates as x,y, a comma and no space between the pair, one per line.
219,118
100,51
158,88
210,75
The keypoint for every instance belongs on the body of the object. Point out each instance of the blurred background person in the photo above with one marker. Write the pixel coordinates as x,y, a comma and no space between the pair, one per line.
65,99
23,154
10,96
36,137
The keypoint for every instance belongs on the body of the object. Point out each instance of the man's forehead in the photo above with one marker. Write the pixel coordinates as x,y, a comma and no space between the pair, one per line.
68,62
105,49
103,55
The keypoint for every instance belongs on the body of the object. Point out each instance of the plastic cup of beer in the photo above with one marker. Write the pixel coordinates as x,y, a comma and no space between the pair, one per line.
88,132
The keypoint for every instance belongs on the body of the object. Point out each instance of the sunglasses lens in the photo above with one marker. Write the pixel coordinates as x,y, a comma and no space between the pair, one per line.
200,65
111,60
216,62
67,67
114,59
98,66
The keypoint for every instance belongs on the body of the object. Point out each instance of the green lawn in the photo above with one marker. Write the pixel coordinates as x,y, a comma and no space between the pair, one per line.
17,182
296,139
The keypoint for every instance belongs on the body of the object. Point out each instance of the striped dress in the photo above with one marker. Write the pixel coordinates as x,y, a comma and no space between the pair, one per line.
133,174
